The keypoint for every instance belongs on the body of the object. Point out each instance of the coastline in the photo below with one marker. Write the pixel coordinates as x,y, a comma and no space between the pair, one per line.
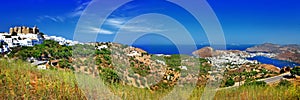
264,58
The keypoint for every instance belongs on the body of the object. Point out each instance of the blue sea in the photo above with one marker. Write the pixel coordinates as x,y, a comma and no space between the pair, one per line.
184,49
275,62
188,49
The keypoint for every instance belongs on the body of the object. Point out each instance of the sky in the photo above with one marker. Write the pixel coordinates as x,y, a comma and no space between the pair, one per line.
242,21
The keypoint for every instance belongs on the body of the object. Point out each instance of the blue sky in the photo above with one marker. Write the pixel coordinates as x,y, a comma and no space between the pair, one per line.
243,21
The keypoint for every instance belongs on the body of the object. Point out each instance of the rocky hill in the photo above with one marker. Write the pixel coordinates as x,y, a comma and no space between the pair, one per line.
204,52
210,52
284,52
267,47
133,66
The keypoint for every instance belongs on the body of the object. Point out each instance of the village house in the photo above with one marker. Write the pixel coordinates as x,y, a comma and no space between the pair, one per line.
61,40
3,47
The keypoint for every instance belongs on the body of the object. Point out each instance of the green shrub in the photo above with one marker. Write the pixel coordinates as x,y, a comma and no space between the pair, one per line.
98,60
229,82
64,63
285,83
141,70
295,71
174,61
107,57
109,75
103,51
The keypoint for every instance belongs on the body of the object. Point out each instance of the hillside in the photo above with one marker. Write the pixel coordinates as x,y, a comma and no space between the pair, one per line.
267,47
134,66
20,80
129,72
283,52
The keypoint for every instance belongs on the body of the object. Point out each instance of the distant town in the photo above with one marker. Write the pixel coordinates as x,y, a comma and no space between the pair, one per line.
26,36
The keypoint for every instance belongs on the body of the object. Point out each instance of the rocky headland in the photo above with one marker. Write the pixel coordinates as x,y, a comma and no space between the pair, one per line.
283,52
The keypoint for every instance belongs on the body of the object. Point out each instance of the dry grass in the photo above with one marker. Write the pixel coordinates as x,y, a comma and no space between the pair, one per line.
19,80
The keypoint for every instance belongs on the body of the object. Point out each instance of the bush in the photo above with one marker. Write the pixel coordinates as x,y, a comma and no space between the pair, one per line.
173,61
282,71
295,71
64,63
103,52
229,82
141,70
98,60
107,57
109,75
285,83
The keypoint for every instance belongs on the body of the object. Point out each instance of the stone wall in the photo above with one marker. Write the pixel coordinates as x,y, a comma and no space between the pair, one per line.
24,30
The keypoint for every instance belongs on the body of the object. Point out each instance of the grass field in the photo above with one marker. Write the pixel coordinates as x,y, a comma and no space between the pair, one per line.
20,80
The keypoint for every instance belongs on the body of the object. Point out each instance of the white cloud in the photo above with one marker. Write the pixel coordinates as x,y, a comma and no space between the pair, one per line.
133,28
61,18
136,26
52,18
115,22
76,13
105,32
78,10
97,30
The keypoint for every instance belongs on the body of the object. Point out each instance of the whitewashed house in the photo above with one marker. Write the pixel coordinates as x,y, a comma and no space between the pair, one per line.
3,47
42,67
134,53
9,42
183,67
102,47
26,42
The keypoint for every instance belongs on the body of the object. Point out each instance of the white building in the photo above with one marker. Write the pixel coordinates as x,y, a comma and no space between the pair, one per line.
3,47
61,40
22,38
42,67
26,42
183,67
161,62
102,47
134,53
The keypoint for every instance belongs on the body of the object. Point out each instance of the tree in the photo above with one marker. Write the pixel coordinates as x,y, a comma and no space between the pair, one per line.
229,82
281,71
295,71
109,75
64,64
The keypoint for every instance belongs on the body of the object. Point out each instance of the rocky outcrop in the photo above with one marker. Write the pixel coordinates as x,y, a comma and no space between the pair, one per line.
210,52
204,52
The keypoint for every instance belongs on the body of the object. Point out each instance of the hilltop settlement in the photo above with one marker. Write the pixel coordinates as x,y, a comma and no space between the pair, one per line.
19,36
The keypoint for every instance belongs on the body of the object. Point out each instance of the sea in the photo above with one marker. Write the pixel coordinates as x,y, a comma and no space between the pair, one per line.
188,49
275,62
184,49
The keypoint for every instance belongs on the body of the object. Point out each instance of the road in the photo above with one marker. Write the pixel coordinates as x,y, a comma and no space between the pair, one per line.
267,80
273,79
